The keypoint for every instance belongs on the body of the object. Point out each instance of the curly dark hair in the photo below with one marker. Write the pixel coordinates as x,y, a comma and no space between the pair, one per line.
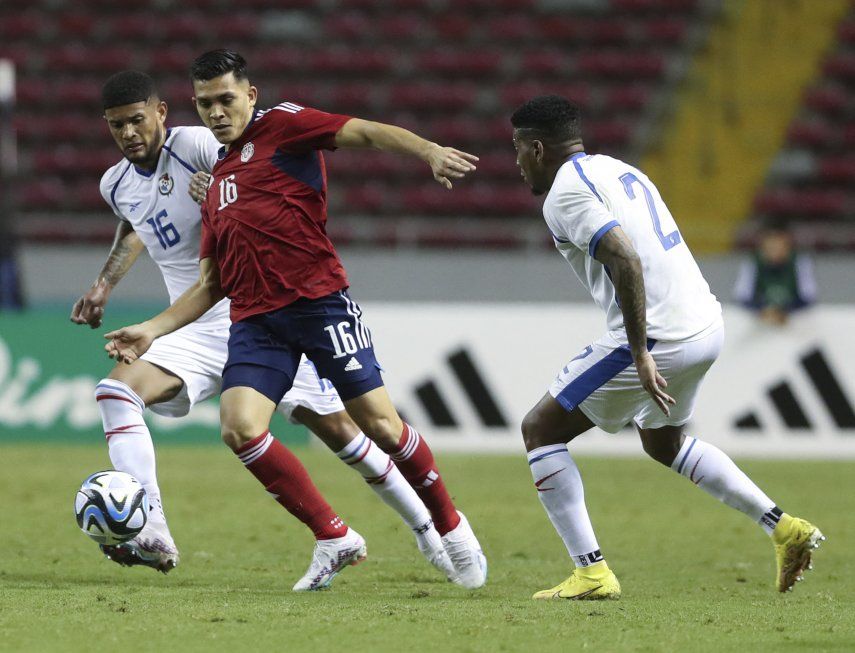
216,63
127,87
550,117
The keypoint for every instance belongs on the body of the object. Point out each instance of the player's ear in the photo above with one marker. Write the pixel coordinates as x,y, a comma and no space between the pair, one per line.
162,109
253,96
538,150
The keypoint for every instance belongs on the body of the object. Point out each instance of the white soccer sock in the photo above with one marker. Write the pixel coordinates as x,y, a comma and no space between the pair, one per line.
715,473
559,487
386,480
128,438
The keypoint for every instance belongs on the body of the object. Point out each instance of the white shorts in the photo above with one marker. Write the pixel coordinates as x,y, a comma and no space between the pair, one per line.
602,381
197,355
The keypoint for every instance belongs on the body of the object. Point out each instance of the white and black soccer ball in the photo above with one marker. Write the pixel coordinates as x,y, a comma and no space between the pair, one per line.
111,507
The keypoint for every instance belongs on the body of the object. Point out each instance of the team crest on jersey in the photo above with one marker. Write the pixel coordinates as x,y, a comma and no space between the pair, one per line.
165,184
247,152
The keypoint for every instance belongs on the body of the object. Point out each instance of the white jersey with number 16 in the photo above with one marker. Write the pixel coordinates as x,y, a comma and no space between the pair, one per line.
161,211
594,193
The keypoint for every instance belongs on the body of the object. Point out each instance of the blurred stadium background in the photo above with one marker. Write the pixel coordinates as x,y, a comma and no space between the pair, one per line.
741,111
743,114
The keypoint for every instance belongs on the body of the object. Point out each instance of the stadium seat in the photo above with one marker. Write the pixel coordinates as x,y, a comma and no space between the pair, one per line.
452,71
459,63
21,26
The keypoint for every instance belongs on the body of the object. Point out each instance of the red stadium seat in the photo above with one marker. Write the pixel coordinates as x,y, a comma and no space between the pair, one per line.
810,133
513,96
21,26
846,32
405,27
654,6
453,27
136,27
77,25
361,198
515,27
350,25
621,65
33,90
433,97
841,66
82,58
828,99
627,98
665,30
800,203
546,62
43,193
837,169
175,59
186,27
457,62
348,61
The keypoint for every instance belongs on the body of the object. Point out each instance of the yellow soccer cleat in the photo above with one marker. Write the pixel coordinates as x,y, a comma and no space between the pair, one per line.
794,540
593,583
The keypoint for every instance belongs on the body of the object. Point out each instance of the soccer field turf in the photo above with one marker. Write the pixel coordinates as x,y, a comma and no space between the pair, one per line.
696,576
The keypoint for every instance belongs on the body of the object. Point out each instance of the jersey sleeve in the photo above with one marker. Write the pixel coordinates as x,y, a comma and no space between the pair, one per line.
576,214
201,148
208,241
300,128
107,186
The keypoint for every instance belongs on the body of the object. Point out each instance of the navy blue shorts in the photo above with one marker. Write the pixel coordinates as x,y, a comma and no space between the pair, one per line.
265,349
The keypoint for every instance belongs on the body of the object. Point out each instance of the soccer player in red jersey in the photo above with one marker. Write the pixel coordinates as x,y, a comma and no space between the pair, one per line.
264,245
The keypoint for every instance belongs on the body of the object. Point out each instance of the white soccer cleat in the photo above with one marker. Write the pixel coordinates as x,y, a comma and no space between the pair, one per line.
153,547
430,544
470,564
329,558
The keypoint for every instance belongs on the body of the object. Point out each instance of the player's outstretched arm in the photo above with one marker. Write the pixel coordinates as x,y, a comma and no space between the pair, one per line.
129,343
446,163
616,252
89,309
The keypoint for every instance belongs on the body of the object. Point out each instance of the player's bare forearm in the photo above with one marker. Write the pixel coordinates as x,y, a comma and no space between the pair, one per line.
89,309
126,248
446,163
365,134
616,252
193,304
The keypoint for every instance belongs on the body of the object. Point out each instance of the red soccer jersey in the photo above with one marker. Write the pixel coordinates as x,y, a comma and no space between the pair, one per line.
264,219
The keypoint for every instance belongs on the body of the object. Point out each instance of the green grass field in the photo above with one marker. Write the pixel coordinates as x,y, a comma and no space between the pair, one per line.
695,575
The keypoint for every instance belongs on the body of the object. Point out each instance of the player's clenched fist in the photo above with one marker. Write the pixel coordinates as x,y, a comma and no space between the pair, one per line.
448,163
128,343
89,309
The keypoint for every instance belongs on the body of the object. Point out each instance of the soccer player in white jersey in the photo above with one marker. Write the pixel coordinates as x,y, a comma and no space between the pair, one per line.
664,332
149,192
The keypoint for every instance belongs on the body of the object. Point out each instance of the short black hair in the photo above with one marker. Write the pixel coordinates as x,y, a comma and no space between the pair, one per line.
127,87
550,117
217,63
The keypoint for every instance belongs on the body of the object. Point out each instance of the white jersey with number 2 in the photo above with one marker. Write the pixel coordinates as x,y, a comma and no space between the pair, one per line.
593,194
162,213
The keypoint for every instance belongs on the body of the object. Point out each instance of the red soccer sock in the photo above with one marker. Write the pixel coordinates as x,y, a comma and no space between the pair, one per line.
415,460
285,478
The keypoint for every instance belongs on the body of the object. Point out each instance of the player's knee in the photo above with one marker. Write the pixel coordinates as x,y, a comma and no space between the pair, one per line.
532,430
381,429
235,435
336,430
662,450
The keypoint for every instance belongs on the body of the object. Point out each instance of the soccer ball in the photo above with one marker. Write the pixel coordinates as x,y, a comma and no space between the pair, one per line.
111,507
